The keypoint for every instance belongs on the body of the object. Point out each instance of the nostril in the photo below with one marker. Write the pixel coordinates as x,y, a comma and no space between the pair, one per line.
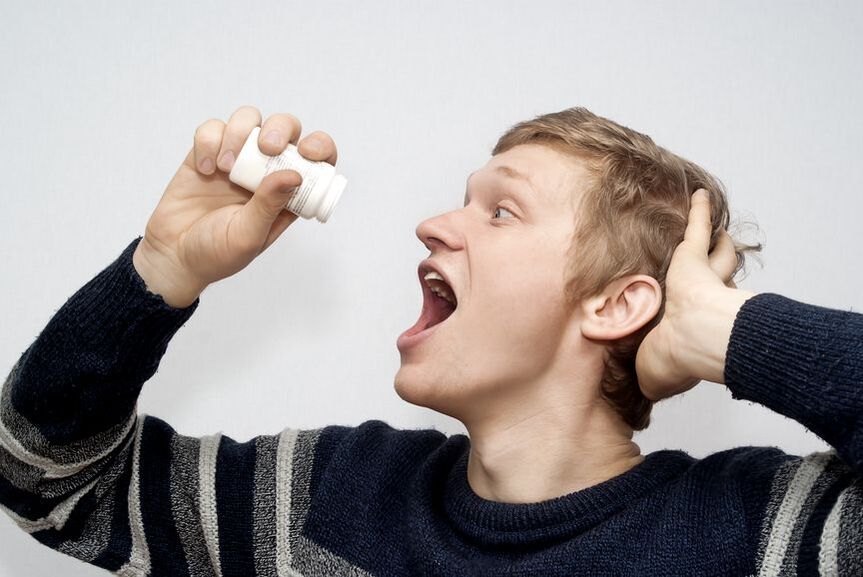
432,241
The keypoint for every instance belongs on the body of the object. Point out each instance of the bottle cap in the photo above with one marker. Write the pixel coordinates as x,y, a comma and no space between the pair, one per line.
334,193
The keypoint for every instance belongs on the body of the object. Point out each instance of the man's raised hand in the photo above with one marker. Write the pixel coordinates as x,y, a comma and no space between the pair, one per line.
701,302
206,228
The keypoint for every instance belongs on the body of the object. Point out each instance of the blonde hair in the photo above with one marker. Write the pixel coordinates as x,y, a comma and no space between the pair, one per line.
629,219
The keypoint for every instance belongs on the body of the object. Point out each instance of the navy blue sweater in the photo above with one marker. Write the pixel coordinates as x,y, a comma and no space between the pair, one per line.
86,474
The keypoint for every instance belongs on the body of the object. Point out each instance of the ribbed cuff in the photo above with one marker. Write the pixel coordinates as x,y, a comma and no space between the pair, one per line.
85,370
117,304
803,361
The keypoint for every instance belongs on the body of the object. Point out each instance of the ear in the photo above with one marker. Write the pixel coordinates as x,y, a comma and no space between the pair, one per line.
623,307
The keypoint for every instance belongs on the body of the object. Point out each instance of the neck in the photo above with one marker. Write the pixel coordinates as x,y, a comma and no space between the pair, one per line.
554,450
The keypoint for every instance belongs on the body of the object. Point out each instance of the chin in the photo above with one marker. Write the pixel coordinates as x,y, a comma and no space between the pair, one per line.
424,390
417,388
409,386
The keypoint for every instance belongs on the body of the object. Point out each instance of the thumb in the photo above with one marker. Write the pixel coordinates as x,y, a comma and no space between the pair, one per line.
256,217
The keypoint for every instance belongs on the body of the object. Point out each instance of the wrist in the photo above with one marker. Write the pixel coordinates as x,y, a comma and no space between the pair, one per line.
176,291
709,349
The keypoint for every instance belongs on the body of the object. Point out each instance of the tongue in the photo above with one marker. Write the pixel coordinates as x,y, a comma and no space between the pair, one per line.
439,310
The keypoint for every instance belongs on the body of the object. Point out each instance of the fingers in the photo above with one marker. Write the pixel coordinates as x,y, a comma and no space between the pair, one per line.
723,257
699,227
277,131
217,143
240,124
318,145
208,140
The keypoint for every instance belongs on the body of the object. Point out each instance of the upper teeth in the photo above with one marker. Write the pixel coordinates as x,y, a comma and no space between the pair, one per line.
438,289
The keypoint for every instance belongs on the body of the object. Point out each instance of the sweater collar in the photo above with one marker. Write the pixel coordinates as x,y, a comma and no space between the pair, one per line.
496,523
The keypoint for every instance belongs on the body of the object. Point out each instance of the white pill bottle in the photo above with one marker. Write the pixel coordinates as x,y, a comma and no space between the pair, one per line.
319,192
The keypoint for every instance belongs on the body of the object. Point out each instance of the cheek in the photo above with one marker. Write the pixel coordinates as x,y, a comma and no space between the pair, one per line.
525,306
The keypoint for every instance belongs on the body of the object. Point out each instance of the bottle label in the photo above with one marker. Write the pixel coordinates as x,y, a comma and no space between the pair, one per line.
290,159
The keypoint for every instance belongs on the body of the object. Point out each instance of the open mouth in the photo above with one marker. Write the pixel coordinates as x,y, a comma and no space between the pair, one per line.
439,302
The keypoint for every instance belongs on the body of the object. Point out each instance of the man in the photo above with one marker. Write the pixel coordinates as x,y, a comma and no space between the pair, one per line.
580,282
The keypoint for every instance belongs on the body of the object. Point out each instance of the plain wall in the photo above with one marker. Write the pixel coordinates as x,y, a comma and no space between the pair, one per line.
101,100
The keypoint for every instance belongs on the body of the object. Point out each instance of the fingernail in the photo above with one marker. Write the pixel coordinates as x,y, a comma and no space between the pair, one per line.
227,161
207,165
273,137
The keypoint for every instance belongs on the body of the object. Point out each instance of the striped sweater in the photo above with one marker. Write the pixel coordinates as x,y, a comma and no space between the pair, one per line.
86,474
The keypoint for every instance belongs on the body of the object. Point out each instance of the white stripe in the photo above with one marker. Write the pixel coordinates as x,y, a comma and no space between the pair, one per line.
284,473
207,488
828,555
783,525
139,559
53,469
58,516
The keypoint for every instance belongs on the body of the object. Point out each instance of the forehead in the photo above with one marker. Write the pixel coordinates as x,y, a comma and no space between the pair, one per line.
551,176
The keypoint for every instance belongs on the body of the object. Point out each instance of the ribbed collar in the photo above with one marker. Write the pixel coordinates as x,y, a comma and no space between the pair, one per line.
495,523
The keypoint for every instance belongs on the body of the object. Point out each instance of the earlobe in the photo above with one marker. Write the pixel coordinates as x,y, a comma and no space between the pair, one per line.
621,309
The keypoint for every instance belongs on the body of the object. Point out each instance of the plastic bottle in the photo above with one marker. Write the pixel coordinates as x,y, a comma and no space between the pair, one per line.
315,197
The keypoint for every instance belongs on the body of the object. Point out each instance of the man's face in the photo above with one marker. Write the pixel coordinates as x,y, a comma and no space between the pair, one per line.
504,255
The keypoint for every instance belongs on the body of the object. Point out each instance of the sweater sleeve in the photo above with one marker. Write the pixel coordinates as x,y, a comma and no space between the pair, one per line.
805,362
85,474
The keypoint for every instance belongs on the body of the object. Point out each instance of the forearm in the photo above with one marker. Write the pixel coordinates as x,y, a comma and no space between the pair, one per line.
802,361
83,373
69,444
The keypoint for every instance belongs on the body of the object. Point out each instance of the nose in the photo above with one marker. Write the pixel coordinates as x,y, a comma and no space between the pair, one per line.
438,232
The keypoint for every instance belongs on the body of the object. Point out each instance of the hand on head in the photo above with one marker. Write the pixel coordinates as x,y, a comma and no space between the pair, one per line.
701,299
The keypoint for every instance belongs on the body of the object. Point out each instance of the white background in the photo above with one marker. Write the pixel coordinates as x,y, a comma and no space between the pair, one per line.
101,100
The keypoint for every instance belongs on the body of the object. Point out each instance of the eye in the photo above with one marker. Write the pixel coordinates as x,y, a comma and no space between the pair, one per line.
502,208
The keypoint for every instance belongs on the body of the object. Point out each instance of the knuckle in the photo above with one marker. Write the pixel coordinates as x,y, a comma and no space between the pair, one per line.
239,125
323,138
287,121
210,125
246,109
209,133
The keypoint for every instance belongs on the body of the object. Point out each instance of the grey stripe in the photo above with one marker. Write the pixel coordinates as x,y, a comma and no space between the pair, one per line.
97,529
21,475
100,481
264,515
207,483
792,502
779,486
139,559
24,440
827,554
849,553
56,519
185,504
284,474
833,468
29,478
50,491
309,558
58,516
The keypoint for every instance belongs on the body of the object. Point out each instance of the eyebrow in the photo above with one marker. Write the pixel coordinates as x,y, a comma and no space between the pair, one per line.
509,172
